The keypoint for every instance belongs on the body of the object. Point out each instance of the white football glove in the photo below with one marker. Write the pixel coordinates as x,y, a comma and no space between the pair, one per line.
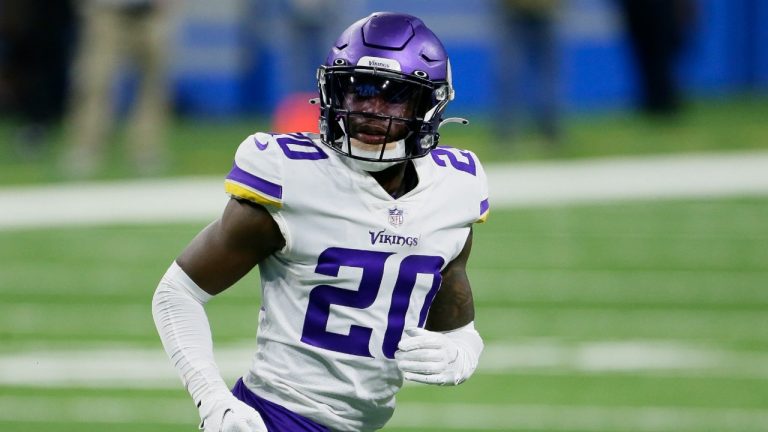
447,358
226,413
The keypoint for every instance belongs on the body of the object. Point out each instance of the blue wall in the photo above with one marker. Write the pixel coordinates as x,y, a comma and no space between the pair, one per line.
233,56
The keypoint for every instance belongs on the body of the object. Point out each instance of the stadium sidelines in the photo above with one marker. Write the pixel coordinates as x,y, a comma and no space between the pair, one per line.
511,185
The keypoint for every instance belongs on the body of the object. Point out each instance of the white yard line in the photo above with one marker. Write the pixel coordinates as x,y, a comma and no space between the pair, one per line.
520,184
653,177
135,201
125,367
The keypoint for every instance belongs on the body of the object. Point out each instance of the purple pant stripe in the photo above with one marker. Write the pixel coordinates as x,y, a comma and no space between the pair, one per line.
277,418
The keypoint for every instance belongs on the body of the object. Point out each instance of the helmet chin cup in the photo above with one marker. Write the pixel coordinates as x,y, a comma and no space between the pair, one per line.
369,166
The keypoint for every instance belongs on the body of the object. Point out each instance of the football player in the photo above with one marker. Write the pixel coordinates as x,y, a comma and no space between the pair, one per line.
361,234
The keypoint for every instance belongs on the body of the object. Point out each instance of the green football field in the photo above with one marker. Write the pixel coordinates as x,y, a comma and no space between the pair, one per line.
641,316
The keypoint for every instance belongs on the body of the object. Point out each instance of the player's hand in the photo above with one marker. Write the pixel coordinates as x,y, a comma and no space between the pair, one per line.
430,357
226,413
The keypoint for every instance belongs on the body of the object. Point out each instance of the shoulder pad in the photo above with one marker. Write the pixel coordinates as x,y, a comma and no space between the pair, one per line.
257,170
469,171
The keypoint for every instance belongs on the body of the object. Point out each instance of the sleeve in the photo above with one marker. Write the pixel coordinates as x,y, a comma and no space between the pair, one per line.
484,206
257,172
464,179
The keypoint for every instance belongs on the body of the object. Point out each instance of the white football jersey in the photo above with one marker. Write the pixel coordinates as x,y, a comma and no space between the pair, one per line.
358,267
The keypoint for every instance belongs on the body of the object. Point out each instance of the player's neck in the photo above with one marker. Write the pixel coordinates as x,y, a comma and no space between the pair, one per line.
397,180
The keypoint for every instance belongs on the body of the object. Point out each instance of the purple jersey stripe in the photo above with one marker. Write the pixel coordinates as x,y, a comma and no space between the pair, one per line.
254,182
484,206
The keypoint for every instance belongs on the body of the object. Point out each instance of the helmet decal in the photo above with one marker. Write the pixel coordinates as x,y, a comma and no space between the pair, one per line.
379,62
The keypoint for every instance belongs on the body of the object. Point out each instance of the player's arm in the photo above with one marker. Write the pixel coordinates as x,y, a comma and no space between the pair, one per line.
453,306
230,247
447,350
217,258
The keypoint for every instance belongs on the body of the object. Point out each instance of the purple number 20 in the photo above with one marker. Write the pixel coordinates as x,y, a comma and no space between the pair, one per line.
372,263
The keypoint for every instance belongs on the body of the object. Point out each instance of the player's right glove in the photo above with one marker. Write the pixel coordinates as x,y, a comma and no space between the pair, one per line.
226,413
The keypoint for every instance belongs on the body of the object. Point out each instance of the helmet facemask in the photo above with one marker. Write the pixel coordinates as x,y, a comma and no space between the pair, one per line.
379,115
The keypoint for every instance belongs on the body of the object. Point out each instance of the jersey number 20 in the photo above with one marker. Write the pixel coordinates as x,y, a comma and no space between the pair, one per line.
372,264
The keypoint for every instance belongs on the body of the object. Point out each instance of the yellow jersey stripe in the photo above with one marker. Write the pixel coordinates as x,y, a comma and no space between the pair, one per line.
241,191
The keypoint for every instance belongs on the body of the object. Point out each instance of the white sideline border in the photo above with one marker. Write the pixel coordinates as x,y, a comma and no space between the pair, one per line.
201,199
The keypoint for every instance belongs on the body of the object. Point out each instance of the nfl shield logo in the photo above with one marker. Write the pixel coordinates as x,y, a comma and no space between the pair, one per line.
396,217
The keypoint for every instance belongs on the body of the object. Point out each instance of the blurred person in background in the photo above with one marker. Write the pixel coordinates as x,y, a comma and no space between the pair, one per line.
657,31
311,28
36,46
361,234
528,53
119,33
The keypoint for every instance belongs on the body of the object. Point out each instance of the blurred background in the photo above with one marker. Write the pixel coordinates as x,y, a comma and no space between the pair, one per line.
621,281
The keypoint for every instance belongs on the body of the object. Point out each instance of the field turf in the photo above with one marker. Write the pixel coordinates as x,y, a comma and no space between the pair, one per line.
643,316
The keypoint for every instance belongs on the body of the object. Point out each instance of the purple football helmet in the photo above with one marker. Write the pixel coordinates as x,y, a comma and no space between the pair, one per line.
396,59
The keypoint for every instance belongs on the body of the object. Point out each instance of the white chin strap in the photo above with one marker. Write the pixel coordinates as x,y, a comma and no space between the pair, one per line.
397,152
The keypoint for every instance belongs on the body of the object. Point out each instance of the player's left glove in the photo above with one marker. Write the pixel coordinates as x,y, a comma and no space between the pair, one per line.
441,358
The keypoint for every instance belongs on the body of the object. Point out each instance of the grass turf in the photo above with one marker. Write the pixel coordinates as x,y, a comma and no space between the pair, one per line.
681,273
